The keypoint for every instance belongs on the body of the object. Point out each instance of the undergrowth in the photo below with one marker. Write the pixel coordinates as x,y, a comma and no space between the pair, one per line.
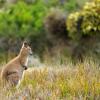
65,82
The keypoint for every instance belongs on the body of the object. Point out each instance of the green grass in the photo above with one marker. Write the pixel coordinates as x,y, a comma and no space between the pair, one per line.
66,82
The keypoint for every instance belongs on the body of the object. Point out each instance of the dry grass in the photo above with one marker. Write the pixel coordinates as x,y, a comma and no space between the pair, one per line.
67,82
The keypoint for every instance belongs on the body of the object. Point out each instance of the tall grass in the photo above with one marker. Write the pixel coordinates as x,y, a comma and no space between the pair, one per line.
66,82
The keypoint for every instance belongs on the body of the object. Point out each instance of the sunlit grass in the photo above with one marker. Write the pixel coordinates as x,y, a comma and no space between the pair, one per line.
69,82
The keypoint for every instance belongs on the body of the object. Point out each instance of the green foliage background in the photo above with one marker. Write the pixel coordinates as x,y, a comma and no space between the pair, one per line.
25,19
21,19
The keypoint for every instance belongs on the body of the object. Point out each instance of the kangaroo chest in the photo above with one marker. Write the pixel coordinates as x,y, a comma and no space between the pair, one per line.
26,62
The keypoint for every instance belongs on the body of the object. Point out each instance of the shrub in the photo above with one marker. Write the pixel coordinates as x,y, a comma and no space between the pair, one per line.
21,19
71,5
55,23
86,21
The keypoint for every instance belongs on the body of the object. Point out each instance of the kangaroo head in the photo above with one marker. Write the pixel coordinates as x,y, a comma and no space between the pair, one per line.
26,49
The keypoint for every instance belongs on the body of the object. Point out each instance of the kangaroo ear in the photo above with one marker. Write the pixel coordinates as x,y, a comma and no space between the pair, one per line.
25,44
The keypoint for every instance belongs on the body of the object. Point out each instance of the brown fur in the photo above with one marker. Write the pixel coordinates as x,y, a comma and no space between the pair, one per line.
13,70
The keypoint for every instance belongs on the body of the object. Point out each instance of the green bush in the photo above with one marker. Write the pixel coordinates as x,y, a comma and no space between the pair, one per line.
21,19
86,21
71,5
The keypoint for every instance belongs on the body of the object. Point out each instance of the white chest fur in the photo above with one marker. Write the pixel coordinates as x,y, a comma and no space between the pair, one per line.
27,59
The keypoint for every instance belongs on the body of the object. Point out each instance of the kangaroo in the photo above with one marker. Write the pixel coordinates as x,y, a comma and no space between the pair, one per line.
12,72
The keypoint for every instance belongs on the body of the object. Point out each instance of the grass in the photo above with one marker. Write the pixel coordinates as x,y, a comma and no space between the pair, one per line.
65,82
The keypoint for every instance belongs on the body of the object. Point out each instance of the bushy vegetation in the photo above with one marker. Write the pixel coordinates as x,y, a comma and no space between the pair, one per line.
55,23
80,81
86,21
28,19
22,19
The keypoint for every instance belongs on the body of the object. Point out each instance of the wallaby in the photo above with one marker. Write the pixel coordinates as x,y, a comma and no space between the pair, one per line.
12,72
